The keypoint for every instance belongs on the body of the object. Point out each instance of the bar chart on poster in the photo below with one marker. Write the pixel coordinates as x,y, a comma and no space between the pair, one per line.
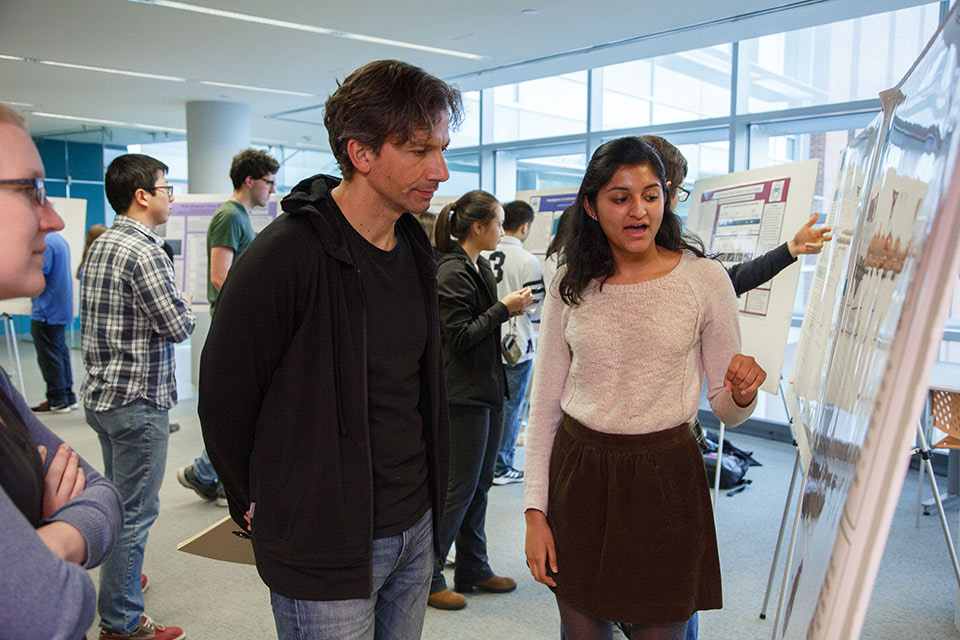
870,340
741,216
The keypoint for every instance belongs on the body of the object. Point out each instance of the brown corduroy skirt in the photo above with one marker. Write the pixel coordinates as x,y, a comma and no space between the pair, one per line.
633,526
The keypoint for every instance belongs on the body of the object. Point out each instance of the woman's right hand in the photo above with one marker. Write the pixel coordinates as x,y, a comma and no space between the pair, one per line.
518,300
64,479
539,547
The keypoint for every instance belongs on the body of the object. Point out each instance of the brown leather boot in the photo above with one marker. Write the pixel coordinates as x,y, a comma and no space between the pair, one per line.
495,584
447,599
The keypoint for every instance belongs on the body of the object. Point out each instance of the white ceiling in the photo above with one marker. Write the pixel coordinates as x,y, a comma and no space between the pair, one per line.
566,35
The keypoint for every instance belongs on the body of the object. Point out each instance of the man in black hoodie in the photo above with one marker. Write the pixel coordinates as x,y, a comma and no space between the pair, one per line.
321,394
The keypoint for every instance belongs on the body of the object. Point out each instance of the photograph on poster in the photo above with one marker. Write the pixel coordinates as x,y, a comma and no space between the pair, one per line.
892,300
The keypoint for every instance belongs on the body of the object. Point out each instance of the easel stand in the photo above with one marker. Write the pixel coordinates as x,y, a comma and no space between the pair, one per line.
11,332
783,527
716,476
797,466
925,453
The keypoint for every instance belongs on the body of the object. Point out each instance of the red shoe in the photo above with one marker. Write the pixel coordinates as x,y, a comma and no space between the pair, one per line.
148,630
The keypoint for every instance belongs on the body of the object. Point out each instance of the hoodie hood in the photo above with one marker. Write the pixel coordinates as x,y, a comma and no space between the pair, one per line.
311,199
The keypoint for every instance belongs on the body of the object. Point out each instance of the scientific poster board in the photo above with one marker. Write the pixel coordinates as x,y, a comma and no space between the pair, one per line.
547,205
186,233
741,216
74,214
886,324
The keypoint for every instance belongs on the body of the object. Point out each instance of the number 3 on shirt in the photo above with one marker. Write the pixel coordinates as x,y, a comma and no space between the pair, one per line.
496,261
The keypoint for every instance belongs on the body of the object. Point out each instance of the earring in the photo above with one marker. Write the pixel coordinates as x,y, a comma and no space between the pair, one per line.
594,218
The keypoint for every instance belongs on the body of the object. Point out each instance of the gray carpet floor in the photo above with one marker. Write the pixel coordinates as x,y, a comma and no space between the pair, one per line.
914,596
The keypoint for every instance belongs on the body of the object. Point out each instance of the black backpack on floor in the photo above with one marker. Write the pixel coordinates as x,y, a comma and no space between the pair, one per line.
735,462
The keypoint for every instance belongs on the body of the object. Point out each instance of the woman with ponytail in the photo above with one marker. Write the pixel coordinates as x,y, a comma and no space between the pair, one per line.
470,319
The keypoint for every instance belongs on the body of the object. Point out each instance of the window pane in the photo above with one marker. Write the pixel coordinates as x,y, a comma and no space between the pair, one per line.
553,106
302,164
464,174
684,86
550,167
174,155
848,60
950,350
469,133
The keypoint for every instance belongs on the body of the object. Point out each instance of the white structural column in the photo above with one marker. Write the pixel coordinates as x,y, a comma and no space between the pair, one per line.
216,131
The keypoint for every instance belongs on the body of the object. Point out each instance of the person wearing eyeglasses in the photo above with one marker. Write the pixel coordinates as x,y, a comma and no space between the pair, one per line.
132,313
58,516
254,176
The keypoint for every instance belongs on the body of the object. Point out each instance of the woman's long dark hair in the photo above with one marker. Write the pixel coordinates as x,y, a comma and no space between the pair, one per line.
457,218
586,253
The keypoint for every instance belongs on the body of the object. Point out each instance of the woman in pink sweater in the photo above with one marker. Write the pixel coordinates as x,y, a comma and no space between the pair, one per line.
618,512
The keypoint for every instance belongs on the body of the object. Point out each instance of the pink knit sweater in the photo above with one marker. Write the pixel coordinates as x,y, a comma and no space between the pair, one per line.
631,359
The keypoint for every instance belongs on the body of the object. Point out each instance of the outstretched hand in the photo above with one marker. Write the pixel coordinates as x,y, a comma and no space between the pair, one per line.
743,379
809,240
64,478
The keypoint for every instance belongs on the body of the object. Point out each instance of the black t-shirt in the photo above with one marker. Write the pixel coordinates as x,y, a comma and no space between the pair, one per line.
396,339
21,470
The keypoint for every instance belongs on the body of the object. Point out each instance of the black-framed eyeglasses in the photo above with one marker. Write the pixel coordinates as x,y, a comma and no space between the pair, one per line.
38,185
682,194
166,187
272,183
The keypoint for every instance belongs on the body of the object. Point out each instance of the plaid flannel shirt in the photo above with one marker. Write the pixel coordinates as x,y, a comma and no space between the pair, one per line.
131,314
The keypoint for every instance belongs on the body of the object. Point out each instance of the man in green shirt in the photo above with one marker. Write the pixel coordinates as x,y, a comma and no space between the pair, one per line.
254,175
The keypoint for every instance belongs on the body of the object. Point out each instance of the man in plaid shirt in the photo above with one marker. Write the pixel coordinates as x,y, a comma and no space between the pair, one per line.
132,313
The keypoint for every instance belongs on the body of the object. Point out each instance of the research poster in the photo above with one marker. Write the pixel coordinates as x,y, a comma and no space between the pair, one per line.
747,221
893,298
740,216
186,233
817,327
547,207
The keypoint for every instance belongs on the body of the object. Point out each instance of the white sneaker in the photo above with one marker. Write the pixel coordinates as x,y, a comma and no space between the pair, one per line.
509,476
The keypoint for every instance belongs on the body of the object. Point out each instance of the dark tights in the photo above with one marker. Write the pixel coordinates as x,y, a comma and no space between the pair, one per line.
578,625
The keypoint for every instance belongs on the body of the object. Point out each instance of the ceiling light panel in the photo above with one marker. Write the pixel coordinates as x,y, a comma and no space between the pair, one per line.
296,26
154,76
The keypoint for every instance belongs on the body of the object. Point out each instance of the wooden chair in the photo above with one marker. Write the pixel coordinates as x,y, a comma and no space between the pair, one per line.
945,416
945,410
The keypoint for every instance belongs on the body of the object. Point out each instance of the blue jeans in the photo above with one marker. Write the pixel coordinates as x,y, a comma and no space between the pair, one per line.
53,356
134,443
203,469
396,608
518,376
